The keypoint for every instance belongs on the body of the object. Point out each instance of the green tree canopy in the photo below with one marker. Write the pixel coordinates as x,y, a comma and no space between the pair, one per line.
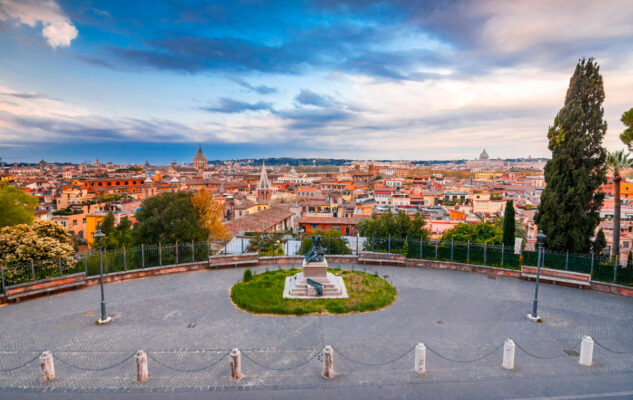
627,135
332,240
508,224
399,226
570,203
166,218
600,243
16,206
115,236
481,232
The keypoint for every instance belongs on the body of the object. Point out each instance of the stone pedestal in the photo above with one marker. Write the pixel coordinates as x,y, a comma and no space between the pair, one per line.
297,287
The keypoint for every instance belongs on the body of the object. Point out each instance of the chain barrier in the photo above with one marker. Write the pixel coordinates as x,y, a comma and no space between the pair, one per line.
213,364
57,358
317,354
537,356
372,364
465,361
610,350
21,365
282,368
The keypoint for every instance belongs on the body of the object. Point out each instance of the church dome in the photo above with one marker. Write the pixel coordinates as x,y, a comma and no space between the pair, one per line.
484,156
199,160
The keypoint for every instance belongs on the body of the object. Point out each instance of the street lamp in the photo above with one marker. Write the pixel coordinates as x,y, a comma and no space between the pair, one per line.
104,318
540,238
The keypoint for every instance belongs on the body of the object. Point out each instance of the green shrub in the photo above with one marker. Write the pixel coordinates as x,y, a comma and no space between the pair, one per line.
248,275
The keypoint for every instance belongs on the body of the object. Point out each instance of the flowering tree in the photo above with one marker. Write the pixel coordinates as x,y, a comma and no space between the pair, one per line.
44,243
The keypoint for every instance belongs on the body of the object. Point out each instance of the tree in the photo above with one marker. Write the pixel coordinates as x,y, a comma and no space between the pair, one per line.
378,230
508,224
16,206
211,213
332,240
117,236
600,243
570,203
166,218
481,232
627,135
44,243
617,161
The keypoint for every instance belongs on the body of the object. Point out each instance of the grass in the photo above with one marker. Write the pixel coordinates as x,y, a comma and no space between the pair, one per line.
263,294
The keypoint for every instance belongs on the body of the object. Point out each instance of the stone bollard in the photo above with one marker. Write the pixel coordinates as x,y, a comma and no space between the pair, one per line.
328,362
236,364
586,351
48,366
508,354
142,373
420,358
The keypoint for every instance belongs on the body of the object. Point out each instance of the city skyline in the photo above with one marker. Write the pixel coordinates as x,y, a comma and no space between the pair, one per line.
152,80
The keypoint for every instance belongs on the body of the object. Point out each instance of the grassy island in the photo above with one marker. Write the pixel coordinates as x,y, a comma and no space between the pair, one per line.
262,294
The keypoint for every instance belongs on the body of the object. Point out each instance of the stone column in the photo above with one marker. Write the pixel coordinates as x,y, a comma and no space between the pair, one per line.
236,364
48,366
508,354
586,351
420,358
328,362
142,373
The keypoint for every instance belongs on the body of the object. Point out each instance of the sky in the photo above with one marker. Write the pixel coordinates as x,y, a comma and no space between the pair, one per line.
129,81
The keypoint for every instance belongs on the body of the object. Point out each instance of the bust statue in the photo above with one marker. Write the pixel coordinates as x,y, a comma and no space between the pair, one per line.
316,254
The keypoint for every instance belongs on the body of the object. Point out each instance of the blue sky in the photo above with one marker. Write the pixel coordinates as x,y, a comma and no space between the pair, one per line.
130,81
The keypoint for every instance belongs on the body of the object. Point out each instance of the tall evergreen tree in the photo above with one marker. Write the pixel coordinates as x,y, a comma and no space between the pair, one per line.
570,203
600,243
627,134
508,224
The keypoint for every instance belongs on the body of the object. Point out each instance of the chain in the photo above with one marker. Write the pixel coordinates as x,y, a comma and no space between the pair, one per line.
282,368
464,361
611,351
188,370
536,356
372,364
20,366
95,369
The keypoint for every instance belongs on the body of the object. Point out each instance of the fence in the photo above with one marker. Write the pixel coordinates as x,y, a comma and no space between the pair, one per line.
601,268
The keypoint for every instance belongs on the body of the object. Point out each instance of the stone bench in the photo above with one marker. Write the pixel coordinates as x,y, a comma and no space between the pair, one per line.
233,260
45,286
557,276
370,257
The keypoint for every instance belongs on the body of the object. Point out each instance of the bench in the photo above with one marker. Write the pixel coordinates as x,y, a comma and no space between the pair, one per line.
233,260
369,257
45,286
557,276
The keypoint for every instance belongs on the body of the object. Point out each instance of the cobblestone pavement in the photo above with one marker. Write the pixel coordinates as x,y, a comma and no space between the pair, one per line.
186,324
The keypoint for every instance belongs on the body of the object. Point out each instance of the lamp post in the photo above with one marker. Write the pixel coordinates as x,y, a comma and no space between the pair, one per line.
540,238
104,318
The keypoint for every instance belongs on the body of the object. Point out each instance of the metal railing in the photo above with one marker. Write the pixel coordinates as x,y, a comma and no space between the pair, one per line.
601,268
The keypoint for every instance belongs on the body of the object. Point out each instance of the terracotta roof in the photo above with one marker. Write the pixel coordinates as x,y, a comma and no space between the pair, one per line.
259,221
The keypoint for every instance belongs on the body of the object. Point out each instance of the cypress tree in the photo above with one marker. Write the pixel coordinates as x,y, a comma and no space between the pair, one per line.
570,203
600,243
508,224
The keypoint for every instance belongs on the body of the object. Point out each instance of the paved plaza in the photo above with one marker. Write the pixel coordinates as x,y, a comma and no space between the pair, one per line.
186,324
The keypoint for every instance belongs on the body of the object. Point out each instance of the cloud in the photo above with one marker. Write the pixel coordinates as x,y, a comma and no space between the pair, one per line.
56,26
308,97
226,105
261,89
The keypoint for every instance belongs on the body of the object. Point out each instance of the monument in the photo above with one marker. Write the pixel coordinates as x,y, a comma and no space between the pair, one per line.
314,281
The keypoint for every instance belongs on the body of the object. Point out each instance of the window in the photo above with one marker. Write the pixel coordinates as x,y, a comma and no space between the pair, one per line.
314,227
84,221
74,222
